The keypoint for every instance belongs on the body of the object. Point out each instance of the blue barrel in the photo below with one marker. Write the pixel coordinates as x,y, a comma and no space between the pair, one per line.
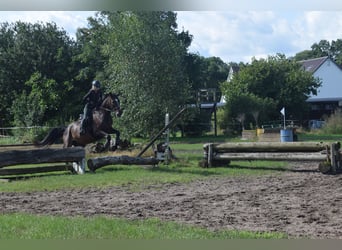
286,135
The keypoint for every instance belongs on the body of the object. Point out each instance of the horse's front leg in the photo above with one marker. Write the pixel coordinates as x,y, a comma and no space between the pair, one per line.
102,134
117,137
107,144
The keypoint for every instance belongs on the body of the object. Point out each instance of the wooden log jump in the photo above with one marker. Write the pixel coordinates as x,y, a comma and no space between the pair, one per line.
285,156
222,153
74,155
269,146
98,162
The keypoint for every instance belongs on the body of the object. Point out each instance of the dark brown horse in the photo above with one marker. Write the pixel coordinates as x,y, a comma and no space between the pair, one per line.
101,127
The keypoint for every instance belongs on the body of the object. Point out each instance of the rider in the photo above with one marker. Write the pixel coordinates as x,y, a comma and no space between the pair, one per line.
92,99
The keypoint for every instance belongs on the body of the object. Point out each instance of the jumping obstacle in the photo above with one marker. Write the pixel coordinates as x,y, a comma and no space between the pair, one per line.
98,162
329,155
74,155
166,127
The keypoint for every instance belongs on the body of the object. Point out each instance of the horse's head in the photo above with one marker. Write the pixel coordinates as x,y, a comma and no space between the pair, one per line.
111,102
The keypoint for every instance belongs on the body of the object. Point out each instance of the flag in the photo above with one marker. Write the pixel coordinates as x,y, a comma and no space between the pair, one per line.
282,111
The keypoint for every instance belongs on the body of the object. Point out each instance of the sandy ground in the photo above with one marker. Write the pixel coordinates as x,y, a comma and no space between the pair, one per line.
300,203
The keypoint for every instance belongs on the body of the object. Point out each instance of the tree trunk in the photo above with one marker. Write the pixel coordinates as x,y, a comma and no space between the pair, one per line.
95,163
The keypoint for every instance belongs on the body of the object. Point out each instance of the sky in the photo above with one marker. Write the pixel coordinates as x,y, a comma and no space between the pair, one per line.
233,36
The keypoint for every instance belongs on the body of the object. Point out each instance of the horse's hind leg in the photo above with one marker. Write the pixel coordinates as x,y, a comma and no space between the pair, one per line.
67,142
117,139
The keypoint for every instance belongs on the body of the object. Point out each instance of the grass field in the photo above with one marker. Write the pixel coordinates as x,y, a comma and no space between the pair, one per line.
185,169
24,226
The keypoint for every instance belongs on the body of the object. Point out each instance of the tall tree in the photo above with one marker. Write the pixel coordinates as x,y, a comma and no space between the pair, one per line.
323,48
91,42
6,79
36,59
205,75
145,58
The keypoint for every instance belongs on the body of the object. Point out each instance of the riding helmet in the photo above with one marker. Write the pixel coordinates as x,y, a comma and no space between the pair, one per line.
97,84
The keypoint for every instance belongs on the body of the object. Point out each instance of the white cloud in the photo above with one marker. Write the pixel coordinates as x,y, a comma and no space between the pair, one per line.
68,20
240,35
233,36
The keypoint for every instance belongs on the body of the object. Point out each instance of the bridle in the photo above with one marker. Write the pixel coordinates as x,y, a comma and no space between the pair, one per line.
116,107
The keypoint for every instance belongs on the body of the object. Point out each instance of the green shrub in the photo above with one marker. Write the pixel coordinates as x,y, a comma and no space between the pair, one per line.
29,134
333,124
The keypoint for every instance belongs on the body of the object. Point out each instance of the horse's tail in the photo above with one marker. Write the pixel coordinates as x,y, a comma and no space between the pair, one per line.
51,137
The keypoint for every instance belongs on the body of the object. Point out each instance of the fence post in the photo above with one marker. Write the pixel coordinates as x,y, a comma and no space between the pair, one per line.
335,157
210,155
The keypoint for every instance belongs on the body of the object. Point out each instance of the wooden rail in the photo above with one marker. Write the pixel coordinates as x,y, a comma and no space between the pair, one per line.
74,155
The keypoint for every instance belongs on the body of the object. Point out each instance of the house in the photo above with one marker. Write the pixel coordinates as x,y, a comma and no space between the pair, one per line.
329,95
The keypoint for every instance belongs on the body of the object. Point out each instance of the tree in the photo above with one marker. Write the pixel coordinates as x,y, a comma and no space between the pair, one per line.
32,108
37,60
91,42
336,47
248,109
304,55
323,48
275,81
145,65
27,110
6,80
204,73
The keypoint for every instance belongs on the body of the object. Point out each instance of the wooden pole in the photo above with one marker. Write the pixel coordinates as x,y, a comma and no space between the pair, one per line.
95,163
270,156
35,170
215,118
161,132
270,147
49,155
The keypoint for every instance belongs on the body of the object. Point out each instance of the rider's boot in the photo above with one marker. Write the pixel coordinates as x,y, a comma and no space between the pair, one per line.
83,127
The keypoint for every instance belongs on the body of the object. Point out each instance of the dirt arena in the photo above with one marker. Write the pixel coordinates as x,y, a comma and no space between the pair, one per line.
302,203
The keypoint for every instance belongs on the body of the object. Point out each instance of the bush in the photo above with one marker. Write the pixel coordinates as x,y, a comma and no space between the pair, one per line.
333,124
29,135
229,127
198,124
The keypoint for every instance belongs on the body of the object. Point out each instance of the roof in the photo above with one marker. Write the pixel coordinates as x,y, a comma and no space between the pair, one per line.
207,105
312,65
327,99
232,70
235,68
